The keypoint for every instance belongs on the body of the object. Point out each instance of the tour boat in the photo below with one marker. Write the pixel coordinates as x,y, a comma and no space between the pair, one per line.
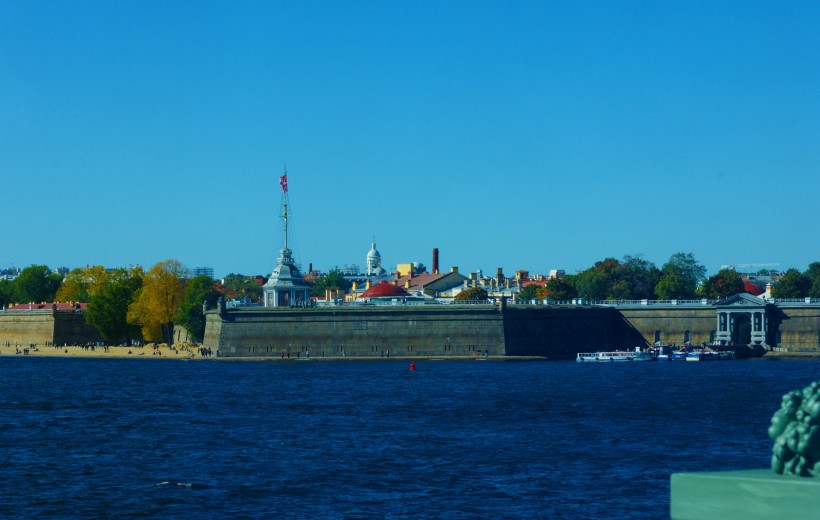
617,355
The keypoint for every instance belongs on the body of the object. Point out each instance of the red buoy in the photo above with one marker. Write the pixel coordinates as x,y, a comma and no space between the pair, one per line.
412,366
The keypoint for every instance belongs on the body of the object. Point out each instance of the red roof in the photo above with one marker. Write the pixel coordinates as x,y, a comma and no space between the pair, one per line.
47,306
752,288
383,290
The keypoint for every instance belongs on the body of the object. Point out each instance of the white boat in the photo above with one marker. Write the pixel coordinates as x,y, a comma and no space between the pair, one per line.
587,356
616,355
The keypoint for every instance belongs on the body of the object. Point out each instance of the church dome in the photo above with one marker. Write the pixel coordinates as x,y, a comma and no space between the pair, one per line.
384,290
373,253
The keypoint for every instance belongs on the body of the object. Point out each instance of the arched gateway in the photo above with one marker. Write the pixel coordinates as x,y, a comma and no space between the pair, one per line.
744,319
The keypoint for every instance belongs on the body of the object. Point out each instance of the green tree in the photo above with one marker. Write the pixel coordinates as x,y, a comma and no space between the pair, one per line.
531,292
686,270
108,309
37,284
594,283
7,293
722,285
333,279
813,273
198,290
158,301
793,284
631,279
241,287
560,289
672,286
473,294
814,292
635,279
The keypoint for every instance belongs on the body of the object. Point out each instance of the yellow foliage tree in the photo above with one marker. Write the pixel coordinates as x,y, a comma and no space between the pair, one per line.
158,301
81,284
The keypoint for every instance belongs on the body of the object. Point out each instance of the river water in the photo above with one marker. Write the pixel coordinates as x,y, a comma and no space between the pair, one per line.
90,438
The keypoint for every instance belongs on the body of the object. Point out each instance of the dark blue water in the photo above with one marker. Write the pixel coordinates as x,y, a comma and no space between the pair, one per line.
169,439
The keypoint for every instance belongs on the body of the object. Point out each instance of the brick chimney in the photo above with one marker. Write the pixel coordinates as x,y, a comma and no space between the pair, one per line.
435,260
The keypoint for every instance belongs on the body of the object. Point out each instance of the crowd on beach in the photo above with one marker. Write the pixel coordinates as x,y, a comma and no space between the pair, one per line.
182,350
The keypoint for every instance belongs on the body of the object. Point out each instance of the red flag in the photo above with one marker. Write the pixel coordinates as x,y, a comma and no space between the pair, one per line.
283,181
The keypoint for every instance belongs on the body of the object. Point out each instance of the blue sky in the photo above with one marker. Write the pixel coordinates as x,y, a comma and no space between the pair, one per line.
522,135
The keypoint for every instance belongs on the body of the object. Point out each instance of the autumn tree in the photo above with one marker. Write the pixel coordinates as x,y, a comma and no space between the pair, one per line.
531,292
81,284
474,294
198,290
722,285
158,301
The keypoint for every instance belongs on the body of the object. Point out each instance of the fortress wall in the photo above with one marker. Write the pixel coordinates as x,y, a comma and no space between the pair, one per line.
358,331
26,328
562,332
70,328
799,328
521,330
673,323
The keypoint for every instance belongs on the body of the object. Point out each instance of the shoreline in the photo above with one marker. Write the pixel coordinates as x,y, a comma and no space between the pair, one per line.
189,353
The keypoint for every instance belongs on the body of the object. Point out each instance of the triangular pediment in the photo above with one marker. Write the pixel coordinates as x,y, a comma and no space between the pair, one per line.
741,300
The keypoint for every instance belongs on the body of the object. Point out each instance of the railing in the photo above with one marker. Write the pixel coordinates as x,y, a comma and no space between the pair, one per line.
800,301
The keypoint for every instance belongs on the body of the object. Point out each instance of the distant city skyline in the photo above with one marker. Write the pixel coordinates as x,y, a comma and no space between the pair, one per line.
529,136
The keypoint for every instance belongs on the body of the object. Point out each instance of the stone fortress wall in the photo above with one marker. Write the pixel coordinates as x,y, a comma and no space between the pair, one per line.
555,331
46,327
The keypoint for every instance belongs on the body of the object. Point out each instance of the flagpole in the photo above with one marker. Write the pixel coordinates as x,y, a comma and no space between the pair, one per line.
283,182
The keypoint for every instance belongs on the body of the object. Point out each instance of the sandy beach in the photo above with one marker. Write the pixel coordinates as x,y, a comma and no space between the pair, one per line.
183,351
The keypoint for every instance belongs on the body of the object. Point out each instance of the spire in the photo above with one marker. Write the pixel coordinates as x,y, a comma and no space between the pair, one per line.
283,182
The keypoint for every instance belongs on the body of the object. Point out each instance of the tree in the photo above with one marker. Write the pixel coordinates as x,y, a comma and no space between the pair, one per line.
108,309
633,278
474,294
594,283
672,286
814,292
198,290
722,285
793,284
158,301
81,284
37,284
241,286
688,274
560,289
7,295
531,292
333,279
813,272
636,279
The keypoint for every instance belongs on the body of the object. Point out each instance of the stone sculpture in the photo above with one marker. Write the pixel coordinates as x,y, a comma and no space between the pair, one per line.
795,431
